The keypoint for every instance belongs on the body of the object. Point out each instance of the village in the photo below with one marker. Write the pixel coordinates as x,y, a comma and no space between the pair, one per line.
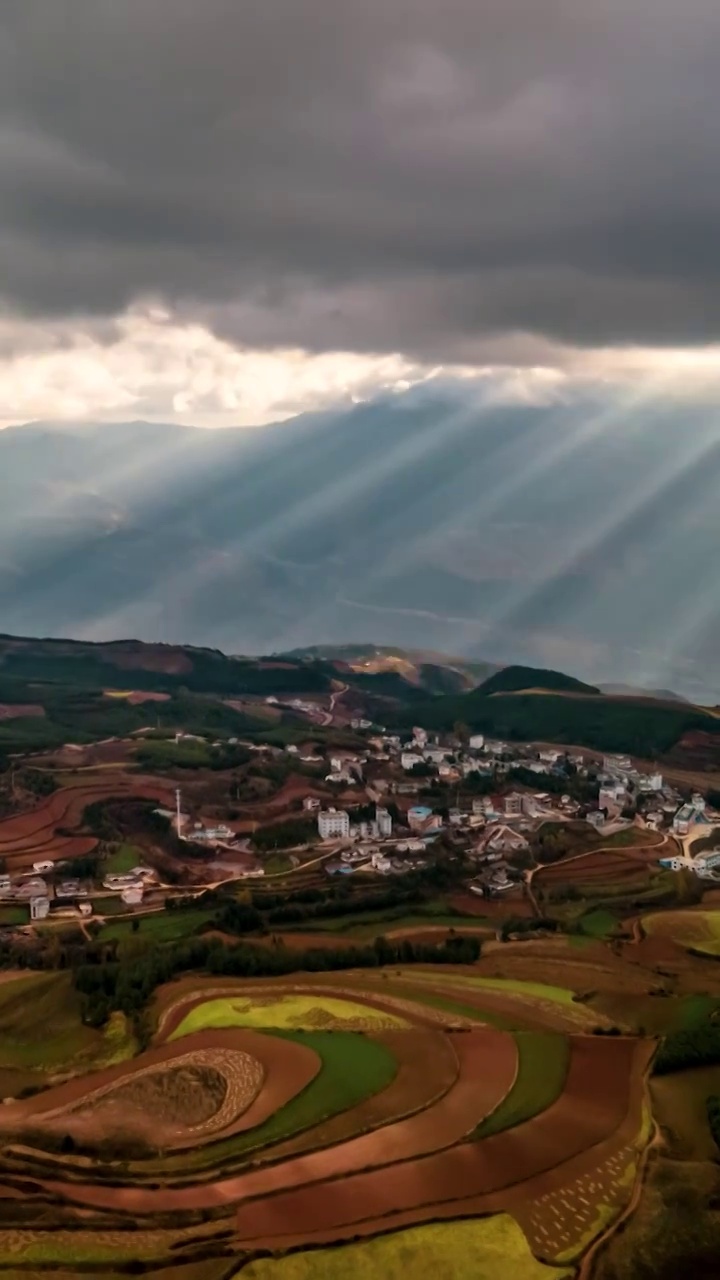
390,808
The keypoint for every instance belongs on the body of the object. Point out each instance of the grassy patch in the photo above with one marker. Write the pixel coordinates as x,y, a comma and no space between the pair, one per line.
277,864
125,857
284,1012
598,924
40,1023
119,1041
543,1060
161,926
14,915
476,1249
695,1011
504,986
62,1248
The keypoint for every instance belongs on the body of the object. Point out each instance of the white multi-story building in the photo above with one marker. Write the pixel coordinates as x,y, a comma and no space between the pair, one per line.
611,794
477,741
333,824
420,736
383,821
409,759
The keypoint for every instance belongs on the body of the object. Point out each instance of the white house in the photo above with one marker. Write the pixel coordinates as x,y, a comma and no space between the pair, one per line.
476,741
333,824
420,736
39,908
409,759
384,822
381,863
611,794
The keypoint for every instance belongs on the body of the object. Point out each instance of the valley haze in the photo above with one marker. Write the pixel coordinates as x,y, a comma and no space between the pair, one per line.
579,533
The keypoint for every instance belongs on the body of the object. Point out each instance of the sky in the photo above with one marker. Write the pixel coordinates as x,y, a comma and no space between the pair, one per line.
223,213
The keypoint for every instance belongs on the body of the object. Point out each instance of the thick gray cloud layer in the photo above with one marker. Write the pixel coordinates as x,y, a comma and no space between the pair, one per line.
386,175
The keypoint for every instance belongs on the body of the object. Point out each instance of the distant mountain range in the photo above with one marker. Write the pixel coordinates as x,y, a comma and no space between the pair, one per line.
580,535
57,690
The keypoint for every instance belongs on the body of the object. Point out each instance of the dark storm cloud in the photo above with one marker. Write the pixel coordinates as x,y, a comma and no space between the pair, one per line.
396,174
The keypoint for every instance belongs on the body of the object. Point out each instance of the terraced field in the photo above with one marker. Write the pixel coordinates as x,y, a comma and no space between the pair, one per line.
336,1110
696,930
40,833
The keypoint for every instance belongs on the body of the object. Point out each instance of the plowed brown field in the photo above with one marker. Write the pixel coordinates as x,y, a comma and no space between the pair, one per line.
601,1092
33,836
427,1068
488,1062
611,866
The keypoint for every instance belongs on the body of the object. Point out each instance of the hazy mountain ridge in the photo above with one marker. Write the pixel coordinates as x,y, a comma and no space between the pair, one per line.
431,520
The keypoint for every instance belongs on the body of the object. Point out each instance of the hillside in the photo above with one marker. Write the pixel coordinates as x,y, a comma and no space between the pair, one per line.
638,727
435,672
430,520
516,679
166,668
632,691
54,691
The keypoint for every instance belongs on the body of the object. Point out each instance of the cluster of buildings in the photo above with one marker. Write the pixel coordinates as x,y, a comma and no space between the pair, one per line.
335,824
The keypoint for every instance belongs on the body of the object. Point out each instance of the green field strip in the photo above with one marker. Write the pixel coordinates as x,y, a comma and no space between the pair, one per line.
543,1061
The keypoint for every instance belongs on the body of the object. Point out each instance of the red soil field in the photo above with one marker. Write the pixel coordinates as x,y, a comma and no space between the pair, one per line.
609,866
514,904
32,836
599,1094
427,1068
487,1059
487,1062
17,711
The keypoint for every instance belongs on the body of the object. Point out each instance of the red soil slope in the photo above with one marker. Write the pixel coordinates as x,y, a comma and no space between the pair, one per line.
33,836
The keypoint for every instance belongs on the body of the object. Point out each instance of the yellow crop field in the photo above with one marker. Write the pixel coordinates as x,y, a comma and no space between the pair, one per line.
288,1013
477,1249
697,929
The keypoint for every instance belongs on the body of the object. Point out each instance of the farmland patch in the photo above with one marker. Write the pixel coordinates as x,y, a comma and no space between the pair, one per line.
287,1012
481,1249
542,1071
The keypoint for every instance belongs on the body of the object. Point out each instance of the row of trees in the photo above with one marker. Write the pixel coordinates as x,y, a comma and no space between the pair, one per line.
697,1047
127,984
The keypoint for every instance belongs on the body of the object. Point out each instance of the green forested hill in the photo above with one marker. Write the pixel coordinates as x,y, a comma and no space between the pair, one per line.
515,679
